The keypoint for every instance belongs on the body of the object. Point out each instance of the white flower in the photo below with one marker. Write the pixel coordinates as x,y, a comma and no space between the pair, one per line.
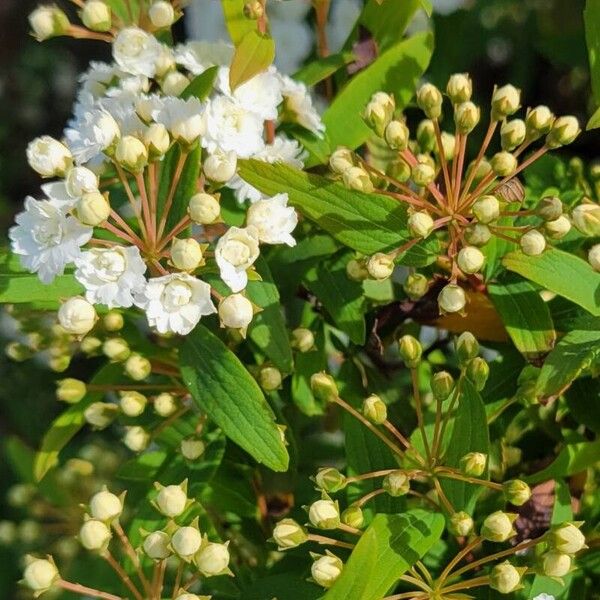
111,276
231,127
46,239
236,252
196,57
175,302
48,156
299,103
260,95
136,51
98,77
56,192
183,118
90,133
273,220
79,181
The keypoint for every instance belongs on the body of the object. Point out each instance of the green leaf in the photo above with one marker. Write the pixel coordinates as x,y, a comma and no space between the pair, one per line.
252,56
368,223
18,285
396,70
526,317
591,18
573,353
582,400
469,434
229,395
238,25
387,21
322,68
427,6
201,86
573,458
562,273
594,121
342,297
385,551
268,330
64,427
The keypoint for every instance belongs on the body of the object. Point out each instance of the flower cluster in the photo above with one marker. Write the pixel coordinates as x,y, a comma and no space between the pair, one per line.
464,208
179,541
138,179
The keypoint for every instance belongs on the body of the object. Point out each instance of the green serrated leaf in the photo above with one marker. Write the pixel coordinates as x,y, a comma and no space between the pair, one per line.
229,395
238,24
322,68
201,86
252,56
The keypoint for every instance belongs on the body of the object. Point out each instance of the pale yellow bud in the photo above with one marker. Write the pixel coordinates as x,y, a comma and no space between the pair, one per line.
505,578
326,570
379,112
77,316
236,311
506,100
132,403
100,414
174,83
136,438
40,574
380,266
157,139
586,217
324,514
186,254
96,15
172,500
156,545
269,378
48,21
162,14
358,179
92,209
594,257
532,243
212,559
341,160
539,121
289,534
459,88
71,390
192,448
374,409
186,542
466,117
558,228
105,506
504,164
94,535
396,483
556,564
452,299
512,134
397,135
131,154
204,209
470,259
165,404
303,339
498,527
564,131
113,321
486,209
420,224
138,367
116,349
429,100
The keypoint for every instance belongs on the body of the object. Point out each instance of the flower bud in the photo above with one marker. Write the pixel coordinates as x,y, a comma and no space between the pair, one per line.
40,574
477,372
516,492
323,387
563,132
303,339
459,88
92,209
557,229
59,364
586,217
105,506
448,145
461,524
136,438
442,385
374,409
192,448
157,140
132,403
422,174
512,134
220,167
566,538
77,316
116,349
236,312
174,83
156,545
172,500
506,100
451,299
89,345
289,534
70,390
49,157
380,266
486,209
204,209
549,208
357,270
396,483
186,542
165,404
326,570
131,154
505,578
594,257
96,15
426,135
8,533
186,254
470,259
416,286
556,564
353,517
538,121
80,180
410,350
498,527
269,378
212,559
138,367
420,224
397,135
20,495
399,169
113,321
324,514
429,100
478,234
47,22
356,178
94,535
466,117
473,464
379,112
330,480
162,14
532,243
504,164
100,414
341,160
